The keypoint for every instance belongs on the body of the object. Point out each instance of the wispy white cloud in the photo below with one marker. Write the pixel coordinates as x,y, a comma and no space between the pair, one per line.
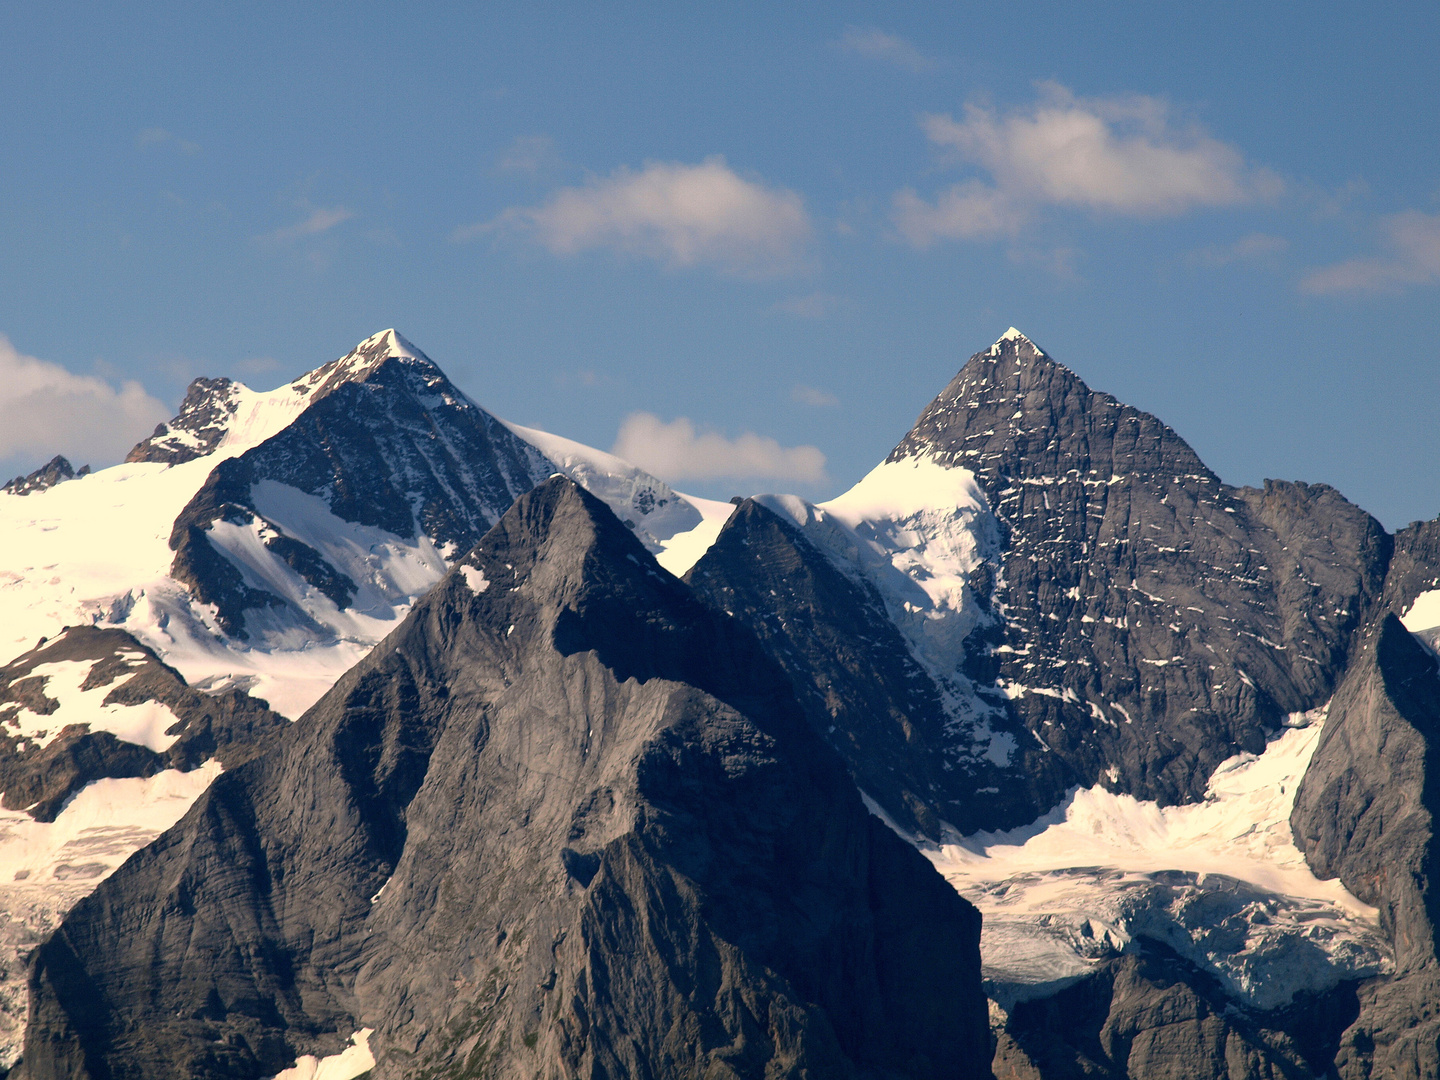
876,44
968,211
257,365
676,452
1412,240
1122,156
160,137
47,410
815,305
814,397
529,155
1247,249
319,220
681,215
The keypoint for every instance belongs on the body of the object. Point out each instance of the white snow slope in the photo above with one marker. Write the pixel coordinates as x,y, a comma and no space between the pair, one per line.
915,530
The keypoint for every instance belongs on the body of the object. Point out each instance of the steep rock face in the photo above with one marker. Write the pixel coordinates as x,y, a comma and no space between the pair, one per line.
566,821
1148,621
386,442
1414,568
1365,813
127,687
1148,1014
861,688
197,429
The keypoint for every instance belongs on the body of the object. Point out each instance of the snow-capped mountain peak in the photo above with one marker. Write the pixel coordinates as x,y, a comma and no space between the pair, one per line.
222,414
363,361
1016,339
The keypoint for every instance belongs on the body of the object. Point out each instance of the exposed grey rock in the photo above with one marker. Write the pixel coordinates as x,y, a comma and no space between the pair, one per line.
57,470
1174,619
1365,813
1415,566
229,725
566,821
196,430
1149,1014
27,916
860,687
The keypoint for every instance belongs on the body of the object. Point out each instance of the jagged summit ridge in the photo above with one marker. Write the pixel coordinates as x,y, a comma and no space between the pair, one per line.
55,471
222,412
363,361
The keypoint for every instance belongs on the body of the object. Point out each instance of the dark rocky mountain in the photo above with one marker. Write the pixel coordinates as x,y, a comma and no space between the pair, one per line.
576,817
57,470
567,820
38,775
1145,621
386,441
1179,618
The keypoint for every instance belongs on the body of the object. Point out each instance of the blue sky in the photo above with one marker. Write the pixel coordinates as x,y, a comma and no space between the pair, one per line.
749,242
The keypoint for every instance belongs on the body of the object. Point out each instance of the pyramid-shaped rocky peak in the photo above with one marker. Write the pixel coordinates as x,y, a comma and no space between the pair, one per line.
1148,621
361,362
1013,410
565,821
384,438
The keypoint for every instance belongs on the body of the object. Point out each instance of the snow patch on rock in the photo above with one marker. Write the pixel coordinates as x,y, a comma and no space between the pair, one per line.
677,528
354,1061
145,724
103,825
475,579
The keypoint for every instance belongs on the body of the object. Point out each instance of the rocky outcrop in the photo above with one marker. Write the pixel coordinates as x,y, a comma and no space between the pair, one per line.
57,470
1149,1014
1415,567
1365,813
197,429
566,821
38,775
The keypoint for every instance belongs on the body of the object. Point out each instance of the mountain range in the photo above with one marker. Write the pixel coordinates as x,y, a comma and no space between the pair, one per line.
350,730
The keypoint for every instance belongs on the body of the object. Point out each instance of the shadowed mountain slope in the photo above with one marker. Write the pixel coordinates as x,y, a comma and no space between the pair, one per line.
565,821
